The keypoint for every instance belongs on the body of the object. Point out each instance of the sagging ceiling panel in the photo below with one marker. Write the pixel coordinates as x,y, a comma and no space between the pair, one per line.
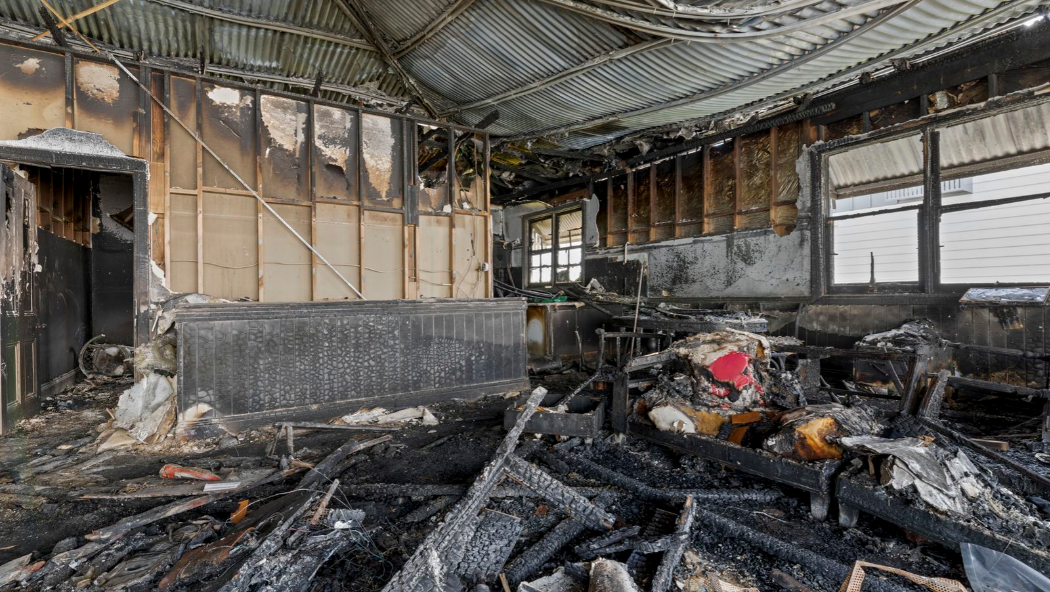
580,72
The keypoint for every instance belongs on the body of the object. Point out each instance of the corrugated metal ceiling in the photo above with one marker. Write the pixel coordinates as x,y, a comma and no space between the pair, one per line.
584,72
1013,133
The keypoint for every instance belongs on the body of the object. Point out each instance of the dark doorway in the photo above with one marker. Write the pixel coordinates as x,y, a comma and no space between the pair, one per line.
85,257
112,260
18,300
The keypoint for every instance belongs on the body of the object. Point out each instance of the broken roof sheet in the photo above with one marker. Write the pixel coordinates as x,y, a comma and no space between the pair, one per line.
584,72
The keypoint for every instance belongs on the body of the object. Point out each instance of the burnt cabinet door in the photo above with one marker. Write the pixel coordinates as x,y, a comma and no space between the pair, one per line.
18,301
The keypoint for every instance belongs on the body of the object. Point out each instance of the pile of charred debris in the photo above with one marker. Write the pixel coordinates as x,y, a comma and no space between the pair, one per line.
721,461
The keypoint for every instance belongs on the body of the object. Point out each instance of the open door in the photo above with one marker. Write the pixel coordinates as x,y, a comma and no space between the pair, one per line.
18,299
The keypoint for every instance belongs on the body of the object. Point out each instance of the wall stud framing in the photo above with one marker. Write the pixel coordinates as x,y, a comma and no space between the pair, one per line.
200,185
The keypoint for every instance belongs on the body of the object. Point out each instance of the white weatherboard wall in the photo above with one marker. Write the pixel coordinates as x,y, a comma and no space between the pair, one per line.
1007,243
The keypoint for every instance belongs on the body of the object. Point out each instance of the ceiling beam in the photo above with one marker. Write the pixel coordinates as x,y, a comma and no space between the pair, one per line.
719,37
222,15
447,16
734,86
581,68
77,16
520,172
984,20
343,89
357,13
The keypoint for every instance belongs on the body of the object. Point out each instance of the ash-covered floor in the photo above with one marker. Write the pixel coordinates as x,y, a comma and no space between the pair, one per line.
406,486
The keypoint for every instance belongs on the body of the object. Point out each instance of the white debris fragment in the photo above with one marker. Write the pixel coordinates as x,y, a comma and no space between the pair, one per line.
147,409
379,415
669,418
428,418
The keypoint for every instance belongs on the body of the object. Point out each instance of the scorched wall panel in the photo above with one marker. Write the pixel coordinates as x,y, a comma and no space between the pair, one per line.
247,363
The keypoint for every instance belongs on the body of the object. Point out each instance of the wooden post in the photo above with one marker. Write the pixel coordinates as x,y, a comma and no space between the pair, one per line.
739,184
310,181
630,205
677,195
260,210
167,181
200,187
773,176
652,202
706,193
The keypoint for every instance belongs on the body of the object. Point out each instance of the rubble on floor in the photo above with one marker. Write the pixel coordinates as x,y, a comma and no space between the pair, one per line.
398,500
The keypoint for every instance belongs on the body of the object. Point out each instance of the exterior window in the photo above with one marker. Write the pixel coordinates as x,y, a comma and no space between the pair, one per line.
556,248
875,213
984,226
996,230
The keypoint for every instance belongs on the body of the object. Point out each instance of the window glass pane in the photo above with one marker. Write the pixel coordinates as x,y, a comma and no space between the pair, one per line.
545,275
882,200
570,256
534,275
570,228
540,234
1017,182
1006,243
545,259
991,139
891,239
534,261
876,176
575,273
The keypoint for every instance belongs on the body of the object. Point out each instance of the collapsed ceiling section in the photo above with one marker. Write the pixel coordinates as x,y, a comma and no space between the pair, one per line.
576,84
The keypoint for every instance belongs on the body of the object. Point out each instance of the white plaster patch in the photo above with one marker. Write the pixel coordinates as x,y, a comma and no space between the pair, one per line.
29,66
98,81
284,121
377,140
221,95
332,125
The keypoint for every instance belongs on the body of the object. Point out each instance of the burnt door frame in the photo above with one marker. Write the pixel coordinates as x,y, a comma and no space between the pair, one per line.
90,152
19,396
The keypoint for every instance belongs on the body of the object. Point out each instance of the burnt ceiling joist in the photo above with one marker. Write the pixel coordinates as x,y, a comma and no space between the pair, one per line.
582,86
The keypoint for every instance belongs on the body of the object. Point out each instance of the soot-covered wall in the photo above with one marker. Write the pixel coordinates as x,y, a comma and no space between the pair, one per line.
65,324
112,294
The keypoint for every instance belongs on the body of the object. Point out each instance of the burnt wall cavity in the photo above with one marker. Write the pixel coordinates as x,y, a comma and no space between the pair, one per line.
112,260
65,322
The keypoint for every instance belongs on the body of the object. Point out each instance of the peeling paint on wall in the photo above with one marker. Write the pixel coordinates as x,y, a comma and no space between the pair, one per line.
331,127
285,123
98,81
29,66
230,101
377,139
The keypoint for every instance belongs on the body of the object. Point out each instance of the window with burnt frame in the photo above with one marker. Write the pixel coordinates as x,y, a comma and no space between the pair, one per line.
971,213
555,248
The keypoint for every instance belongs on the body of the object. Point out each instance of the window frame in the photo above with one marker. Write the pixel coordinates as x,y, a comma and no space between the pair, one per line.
930,209
526,240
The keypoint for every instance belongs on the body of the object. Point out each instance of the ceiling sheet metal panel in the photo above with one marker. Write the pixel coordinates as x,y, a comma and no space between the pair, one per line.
1023,131
323,15
401,20
626,84
168,32
876,162
652,77
895,33
500,45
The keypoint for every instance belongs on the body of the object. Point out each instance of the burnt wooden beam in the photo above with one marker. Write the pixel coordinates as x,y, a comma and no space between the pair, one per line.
356,13
569,154
1006,52
52,27
522,173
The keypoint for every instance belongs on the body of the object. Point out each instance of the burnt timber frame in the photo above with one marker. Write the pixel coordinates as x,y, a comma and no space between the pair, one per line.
928,283
89,160
853,496
816,478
